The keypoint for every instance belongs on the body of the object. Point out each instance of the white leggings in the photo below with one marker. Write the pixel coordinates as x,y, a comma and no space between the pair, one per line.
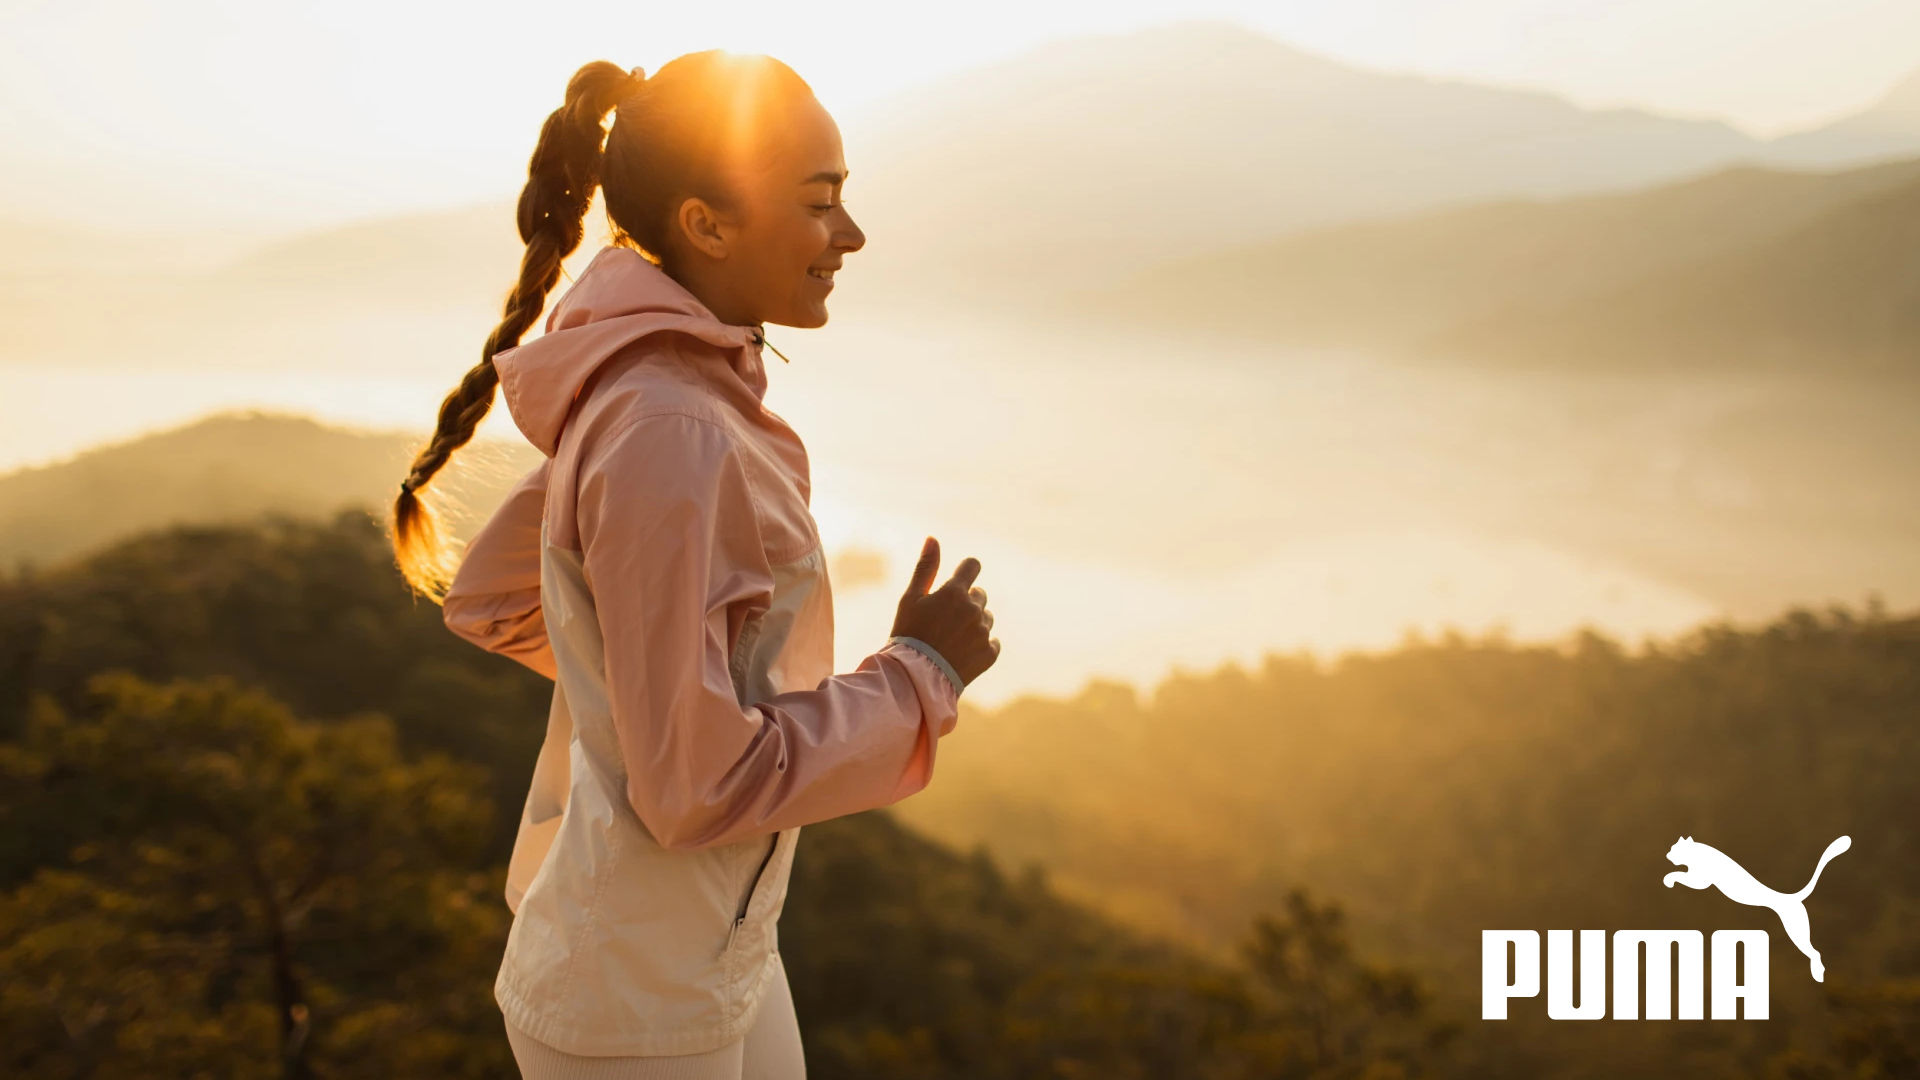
769,1051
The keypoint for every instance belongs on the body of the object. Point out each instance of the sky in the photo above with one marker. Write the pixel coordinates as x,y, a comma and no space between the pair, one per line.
124,113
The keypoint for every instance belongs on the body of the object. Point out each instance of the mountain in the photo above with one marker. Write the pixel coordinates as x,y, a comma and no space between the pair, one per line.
1839,293
1502,278
460,258
1891,128
414,293
1077,161
1072,167
1088,158
226,469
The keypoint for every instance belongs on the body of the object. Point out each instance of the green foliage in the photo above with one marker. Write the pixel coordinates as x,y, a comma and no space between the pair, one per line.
909,960
254,897
1452,786
311,613
194,883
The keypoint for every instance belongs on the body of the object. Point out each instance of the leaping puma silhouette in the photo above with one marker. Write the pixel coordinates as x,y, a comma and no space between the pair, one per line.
1707,866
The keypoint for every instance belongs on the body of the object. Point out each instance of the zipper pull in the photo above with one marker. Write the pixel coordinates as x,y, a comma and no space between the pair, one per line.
760,338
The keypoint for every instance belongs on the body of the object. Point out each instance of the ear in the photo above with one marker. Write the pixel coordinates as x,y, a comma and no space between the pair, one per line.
700,226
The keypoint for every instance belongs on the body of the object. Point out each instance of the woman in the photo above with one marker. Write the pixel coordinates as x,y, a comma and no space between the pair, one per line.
663,568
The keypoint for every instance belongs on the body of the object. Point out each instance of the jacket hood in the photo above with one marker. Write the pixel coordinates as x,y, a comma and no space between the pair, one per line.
620,298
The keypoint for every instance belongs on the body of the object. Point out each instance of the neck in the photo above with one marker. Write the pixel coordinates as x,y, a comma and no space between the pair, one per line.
710,288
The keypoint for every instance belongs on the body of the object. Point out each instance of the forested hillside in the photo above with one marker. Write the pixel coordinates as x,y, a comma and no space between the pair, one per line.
255,803
254,809
1452,786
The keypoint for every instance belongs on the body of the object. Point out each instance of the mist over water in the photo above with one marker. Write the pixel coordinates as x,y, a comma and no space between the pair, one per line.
1143,503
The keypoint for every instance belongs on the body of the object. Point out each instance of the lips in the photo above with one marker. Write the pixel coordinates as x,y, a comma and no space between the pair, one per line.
822,273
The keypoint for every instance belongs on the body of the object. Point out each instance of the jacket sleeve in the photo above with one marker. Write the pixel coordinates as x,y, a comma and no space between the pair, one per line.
675,562
494,601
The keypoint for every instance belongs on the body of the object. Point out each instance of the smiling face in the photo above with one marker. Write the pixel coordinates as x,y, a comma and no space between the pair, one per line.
770,254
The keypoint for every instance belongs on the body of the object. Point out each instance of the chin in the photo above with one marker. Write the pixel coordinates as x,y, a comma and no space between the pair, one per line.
807,318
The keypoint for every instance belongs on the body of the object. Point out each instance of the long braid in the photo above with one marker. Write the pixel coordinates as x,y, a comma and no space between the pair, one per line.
561,178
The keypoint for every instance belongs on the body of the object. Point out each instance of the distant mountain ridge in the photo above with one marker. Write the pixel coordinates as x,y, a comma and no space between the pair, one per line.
1676,274
1087,160
1072,167
1891,128
1083,159
227,469
1836,295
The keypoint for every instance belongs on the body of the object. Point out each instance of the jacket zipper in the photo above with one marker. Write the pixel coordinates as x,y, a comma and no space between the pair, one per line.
740,919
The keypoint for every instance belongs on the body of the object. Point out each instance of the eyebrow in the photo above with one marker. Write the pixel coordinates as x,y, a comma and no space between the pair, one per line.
826,178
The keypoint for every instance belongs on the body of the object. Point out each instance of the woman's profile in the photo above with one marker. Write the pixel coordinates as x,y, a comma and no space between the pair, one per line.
663,567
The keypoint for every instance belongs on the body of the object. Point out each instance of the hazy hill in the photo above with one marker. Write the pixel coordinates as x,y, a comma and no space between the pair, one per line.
1494,279
1072,167
1093,156
1891,128
223,469
459,258
1838,294
1076,161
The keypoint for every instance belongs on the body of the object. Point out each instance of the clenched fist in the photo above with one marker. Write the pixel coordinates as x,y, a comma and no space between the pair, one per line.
952,618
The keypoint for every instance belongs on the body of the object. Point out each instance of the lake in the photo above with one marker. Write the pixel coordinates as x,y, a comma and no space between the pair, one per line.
1142,506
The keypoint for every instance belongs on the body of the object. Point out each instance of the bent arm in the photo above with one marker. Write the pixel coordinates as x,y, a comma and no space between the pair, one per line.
494,601
675,560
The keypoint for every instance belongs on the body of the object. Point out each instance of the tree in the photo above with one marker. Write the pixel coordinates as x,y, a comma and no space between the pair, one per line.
1353,1018
256,896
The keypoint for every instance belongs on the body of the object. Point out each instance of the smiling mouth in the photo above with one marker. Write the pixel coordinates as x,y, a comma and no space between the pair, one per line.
820,275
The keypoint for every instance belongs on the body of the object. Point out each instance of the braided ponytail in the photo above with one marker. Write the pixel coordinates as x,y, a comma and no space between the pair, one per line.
561,178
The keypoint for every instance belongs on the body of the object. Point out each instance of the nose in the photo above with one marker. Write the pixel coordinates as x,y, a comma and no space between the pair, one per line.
848,237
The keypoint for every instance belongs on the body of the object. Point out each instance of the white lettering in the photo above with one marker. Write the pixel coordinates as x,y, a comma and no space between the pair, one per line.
1494,987
1726,988
1659,943
1740,976
1593,975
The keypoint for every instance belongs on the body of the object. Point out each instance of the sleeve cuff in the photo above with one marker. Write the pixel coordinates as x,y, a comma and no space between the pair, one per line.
932,654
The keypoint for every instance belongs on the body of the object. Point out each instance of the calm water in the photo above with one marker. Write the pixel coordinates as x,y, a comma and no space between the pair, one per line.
1141,506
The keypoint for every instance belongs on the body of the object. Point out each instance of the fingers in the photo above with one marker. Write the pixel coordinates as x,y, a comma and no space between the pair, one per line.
925,569
964,574
979,597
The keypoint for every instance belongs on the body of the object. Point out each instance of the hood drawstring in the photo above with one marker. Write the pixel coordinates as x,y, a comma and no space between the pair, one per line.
760,338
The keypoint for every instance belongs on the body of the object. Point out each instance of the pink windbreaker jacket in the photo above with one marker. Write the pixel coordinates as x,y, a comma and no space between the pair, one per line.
663,567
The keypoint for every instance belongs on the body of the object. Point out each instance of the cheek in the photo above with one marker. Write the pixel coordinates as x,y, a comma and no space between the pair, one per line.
788,247
809,240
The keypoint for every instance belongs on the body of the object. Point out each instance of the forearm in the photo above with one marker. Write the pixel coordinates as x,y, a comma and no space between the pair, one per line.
494,601
858,741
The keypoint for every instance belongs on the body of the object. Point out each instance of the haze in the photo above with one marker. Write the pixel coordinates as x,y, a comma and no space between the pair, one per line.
223,112
1207,343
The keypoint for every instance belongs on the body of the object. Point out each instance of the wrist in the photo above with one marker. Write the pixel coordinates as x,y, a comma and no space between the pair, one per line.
932,654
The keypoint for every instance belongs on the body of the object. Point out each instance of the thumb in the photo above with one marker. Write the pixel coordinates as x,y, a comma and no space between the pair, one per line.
925,569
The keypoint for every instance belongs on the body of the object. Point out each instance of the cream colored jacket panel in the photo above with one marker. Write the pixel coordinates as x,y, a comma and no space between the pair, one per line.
682,603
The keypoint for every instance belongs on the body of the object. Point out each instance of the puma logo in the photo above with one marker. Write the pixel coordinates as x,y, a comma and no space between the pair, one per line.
1706,866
